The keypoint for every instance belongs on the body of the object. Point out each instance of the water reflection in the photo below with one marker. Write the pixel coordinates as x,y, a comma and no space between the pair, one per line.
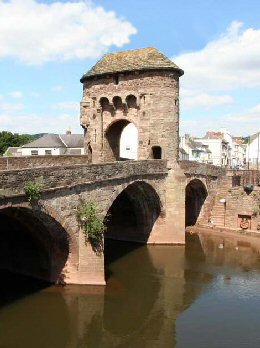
156,296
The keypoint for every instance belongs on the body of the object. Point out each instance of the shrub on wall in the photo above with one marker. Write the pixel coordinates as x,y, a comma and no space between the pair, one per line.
33,191
92,226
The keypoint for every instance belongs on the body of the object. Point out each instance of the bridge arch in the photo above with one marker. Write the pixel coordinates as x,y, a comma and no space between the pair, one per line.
195,195
112,139
33,243
133,213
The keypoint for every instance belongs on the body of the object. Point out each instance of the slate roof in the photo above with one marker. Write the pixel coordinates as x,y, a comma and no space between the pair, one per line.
135,60
56,140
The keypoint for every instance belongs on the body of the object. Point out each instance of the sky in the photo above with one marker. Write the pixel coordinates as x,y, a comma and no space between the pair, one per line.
47,45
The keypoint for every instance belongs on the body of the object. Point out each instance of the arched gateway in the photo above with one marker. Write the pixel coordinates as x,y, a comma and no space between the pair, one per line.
195,195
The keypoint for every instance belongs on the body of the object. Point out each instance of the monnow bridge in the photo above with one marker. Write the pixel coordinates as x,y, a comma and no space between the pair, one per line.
144,198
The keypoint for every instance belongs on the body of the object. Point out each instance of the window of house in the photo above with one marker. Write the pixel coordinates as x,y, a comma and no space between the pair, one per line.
48,152
34,152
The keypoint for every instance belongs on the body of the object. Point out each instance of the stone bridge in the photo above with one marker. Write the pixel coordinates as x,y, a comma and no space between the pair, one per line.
135,194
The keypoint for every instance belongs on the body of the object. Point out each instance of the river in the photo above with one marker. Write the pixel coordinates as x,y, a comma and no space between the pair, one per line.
204,295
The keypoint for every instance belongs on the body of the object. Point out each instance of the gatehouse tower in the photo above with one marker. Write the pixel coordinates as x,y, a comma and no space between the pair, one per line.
139,87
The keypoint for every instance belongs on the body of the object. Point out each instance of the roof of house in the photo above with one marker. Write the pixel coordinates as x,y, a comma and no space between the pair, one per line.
135,60
12,151
253,137
56,140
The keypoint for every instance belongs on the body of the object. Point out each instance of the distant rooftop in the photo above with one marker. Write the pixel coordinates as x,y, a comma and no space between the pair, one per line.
57,140
135,60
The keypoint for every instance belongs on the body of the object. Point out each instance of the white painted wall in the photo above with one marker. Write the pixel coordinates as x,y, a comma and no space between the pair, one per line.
253,150
129,142
41,151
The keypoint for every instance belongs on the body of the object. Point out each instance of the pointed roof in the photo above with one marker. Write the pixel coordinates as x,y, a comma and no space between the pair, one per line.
57,140
135,60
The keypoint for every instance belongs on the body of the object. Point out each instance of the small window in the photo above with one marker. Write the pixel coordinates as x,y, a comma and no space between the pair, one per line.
48,152
116,79
157,152
34,152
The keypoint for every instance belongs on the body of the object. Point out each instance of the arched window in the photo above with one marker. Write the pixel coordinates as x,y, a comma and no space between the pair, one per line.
117,102
131,101
104,103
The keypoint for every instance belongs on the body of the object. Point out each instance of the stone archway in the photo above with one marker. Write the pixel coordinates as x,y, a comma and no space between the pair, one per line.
112,140
195,195
132,215
33,244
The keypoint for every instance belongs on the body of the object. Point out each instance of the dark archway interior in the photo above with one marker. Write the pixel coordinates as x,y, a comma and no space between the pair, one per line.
132,215
195,196
32,245
112,144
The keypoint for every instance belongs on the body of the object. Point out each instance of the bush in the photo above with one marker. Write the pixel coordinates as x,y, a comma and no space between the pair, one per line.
93,227
33,190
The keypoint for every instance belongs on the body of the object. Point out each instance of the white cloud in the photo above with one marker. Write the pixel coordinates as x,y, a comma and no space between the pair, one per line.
205,100
36,32
252,115
68,105
33,123
11,107
231,61
16,94
58,88
242,123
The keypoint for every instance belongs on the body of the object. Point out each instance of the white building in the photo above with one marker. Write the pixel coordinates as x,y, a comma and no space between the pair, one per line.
54,144
195,150
253,151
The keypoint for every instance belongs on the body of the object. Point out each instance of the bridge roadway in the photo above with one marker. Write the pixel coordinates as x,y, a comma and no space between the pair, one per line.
150,193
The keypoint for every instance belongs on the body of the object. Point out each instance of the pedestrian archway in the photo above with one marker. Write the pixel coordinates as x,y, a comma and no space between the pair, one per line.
195,195
121,141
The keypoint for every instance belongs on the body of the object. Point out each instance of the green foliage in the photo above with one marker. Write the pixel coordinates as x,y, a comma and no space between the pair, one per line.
93,227
245,140
8,139
33,191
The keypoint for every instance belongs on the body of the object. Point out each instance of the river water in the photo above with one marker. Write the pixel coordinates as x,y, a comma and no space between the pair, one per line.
204,295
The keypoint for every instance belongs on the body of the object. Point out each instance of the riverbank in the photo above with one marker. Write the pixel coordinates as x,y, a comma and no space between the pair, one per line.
247,236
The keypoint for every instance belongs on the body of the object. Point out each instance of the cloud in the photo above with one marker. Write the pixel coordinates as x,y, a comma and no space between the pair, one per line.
205,100
36,32
16,94
229,62
67,105
243,123
10,107
58,88
33,123
252,115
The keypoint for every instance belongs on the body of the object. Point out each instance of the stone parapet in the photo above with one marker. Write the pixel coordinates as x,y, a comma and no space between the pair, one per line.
10,163
13,181
194,168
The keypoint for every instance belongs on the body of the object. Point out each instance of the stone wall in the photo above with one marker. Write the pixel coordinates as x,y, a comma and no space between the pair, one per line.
241,204
9,163
13,181
193,168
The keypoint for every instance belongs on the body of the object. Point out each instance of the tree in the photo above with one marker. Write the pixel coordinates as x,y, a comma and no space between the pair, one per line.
8,139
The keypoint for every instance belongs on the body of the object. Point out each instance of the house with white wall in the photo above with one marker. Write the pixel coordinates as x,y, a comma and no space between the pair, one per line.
54,144
253,151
